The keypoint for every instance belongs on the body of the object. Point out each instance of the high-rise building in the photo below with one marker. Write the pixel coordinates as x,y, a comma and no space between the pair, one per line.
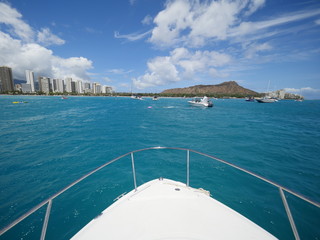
57,85
6,79
68,85
73,87
87,85
25,88
45,85
80,87
30,79
87,88
107,89
96,87
60,86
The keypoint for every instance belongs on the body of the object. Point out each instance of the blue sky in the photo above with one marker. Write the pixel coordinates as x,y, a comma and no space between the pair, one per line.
152,45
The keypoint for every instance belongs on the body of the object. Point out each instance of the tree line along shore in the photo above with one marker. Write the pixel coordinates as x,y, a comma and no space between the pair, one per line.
126,94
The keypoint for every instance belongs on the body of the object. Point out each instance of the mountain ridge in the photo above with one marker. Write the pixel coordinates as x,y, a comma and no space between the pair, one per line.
225,88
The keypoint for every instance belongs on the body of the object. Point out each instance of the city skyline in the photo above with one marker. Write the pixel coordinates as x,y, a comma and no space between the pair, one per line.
48,85
151,46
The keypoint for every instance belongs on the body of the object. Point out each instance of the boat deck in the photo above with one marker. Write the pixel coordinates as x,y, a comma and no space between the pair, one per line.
166,209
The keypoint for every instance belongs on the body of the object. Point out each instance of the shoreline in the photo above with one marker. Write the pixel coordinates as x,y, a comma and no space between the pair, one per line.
121,96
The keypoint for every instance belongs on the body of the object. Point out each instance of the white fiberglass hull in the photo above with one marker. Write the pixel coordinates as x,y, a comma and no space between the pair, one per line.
200,104
266,100
166,209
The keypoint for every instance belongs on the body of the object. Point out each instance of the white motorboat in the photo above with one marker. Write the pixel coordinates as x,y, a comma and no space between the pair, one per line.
155,98
137,97
203,102
168,209
266,100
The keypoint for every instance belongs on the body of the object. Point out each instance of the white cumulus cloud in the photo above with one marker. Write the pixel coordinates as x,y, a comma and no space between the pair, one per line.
19,29
199,61
75,67
22,56
194,22
213,21
23,48
13,19
171,21
182,64
161,71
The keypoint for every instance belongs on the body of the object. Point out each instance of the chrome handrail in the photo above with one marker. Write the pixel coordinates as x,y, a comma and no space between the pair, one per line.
50,199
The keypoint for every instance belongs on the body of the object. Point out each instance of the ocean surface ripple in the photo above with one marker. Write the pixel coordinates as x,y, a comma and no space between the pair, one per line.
49,142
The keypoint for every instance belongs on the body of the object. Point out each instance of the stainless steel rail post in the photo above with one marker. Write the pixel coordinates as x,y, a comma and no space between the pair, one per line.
188,167
134,173
46,220
286,206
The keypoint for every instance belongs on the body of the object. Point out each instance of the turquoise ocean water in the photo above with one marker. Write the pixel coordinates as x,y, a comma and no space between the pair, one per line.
49,142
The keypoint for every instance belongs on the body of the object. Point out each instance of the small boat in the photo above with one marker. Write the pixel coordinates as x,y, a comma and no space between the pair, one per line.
250,99
64,97
137,97
203,102
19,102
155,98
266,100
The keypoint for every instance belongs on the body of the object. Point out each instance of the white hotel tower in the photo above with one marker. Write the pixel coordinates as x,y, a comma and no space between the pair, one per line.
30,79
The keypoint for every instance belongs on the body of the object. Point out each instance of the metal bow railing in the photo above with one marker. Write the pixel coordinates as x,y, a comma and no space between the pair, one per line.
50,199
